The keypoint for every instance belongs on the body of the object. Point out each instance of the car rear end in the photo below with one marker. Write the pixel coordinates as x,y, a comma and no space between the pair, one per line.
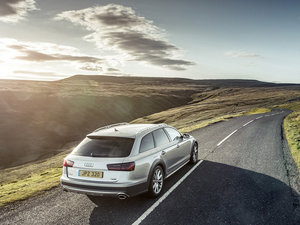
102,166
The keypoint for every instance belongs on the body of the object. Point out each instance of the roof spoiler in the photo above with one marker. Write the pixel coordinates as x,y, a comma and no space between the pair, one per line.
109,126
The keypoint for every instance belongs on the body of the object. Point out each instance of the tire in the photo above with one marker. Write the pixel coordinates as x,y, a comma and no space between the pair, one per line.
156,182
194,154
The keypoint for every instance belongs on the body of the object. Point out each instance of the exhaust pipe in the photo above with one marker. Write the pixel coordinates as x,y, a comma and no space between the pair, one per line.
122,196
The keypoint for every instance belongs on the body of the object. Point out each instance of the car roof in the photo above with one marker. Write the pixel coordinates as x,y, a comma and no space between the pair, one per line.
125,130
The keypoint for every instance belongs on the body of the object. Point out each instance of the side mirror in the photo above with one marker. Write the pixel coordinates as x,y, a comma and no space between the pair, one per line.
185,135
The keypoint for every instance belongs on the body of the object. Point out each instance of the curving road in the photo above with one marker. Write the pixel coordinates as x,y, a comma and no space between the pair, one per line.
242,178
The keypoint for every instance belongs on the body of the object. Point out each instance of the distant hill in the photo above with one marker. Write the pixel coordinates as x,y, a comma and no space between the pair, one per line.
208,82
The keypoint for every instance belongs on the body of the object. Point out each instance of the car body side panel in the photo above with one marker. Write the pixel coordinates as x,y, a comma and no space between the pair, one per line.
177,153
170,156
186,148
143,163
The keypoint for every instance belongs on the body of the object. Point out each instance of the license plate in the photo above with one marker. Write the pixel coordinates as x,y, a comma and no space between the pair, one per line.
88,173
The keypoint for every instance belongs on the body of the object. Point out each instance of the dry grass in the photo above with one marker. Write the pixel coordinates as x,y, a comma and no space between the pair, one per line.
205,123
21,182
292,130
220,104
258,111
33,185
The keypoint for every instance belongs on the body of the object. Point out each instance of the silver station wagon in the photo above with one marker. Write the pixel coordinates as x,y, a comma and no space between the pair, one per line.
125,160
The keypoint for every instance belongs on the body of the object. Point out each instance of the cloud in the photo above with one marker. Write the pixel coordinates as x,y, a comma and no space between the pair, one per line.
112,70
46,52
32,55
15,10
242,54
36,75
119,28
40,73
43,51
92,67
98,68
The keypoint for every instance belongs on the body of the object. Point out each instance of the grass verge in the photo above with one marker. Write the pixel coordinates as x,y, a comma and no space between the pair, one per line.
292,130
258,111
189,128
22,182
30,186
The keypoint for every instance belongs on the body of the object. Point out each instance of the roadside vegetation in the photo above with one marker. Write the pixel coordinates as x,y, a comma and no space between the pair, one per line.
258,111
292,130
220,104
22,182
205,123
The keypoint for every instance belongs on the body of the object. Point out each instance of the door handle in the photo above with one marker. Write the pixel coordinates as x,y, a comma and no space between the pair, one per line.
163,152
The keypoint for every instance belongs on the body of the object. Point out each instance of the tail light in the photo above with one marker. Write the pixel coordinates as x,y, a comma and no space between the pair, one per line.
121,166
68,163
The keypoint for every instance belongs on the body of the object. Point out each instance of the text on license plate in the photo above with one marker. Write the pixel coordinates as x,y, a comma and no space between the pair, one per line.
88,173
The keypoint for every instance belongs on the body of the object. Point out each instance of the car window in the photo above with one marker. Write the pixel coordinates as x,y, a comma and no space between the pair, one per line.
174,134
147,143
160,137
104,147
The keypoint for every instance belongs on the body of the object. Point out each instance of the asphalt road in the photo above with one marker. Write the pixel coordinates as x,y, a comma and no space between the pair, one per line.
243,179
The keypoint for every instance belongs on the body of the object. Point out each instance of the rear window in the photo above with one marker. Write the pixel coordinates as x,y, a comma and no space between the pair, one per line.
104,147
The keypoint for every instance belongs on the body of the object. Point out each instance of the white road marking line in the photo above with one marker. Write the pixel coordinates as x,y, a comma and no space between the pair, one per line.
148,211
248,123
226,137
259,117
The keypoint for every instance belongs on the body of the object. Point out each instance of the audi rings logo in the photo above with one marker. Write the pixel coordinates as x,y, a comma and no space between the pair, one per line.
88,164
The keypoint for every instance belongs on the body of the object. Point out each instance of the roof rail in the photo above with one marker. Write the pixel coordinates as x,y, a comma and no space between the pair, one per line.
158,125
162,124
109,126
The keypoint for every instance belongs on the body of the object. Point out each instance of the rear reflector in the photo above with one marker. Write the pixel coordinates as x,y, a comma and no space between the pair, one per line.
121,166
68,163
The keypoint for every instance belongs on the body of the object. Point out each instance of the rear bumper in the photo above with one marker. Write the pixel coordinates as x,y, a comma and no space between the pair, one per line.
112,191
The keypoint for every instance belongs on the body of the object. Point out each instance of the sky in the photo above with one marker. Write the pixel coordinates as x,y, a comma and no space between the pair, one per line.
197,39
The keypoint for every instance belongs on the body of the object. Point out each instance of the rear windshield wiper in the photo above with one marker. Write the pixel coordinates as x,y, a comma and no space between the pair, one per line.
96,155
